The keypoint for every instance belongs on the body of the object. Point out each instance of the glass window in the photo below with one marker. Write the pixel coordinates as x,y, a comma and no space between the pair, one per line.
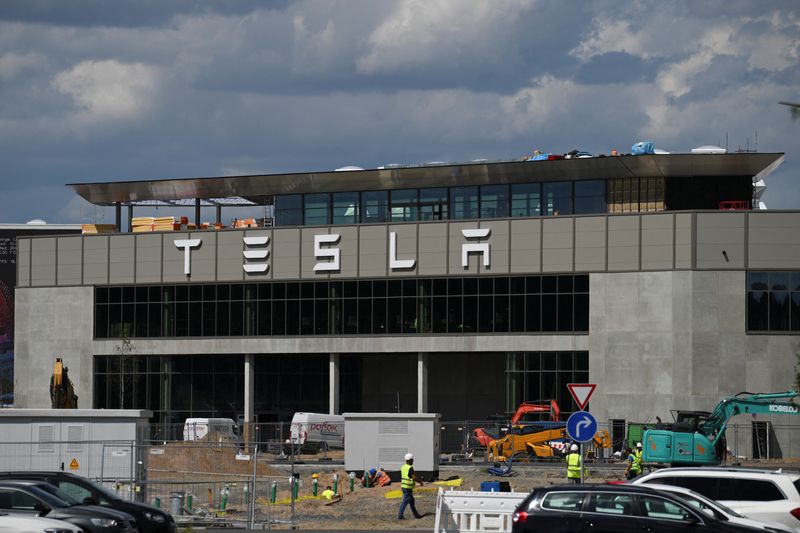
757,281
317,209
755,490
433,204
374,207
345,208
526,199
289,210
612,503
779,281
494,201
779,311
757,311
557,198
655,507
464,202
590,196
564,501
404,205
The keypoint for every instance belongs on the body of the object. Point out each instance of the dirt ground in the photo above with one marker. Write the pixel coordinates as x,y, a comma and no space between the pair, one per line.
370,509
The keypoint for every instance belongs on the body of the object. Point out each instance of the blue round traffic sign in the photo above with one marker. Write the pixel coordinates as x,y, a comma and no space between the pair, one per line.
581,426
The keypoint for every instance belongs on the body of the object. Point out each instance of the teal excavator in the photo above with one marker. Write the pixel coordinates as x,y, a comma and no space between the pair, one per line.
697,438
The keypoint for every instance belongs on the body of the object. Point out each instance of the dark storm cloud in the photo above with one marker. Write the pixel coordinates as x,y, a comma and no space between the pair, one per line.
155,13
617,67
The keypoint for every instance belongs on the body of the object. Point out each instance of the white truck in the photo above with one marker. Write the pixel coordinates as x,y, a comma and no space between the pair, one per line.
314,432
211,429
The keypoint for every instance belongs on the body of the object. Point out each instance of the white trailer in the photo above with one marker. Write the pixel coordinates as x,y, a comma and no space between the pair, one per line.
96,443
382,439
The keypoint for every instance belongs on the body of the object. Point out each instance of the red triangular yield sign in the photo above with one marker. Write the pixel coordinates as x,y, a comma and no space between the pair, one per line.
581,392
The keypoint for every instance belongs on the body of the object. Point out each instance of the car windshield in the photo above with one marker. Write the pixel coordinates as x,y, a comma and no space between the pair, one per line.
50,499
101,489
58,493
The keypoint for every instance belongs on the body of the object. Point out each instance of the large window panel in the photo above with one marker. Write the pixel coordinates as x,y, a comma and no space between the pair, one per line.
403,205
289,210
494,201
374,207
526,199
345,208
433,203
317,209
464,202
557,198
590,196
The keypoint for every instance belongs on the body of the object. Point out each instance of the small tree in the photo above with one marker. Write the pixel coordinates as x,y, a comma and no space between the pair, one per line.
125,351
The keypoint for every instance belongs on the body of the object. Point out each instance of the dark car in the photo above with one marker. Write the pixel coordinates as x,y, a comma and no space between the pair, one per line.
37,498
612,509
149,519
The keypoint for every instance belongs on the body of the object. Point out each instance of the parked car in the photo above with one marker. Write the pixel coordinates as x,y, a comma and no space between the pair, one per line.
37,498
719,511
149,519
30,524
759,494
612,509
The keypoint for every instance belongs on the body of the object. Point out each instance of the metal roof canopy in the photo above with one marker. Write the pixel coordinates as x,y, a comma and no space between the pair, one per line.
260,189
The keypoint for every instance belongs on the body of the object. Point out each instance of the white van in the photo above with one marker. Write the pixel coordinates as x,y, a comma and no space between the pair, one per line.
316,432
212,429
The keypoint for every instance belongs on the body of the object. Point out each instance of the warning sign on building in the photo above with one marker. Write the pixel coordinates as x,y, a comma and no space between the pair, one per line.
73,465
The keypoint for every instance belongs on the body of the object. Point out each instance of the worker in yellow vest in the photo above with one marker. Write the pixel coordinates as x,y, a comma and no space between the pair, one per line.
637,454
574,465
407,481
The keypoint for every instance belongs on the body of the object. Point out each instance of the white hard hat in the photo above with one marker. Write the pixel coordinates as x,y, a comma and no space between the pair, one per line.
638,444
573,448
409,456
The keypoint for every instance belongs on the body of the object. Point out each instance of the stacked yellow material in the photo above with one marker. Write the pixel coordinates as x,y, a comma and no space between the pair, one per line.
91,229
141,224
163,223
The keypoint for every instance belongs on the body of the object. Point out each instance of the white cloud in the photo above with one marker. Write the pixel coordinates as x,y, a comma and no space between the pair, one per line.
420,32
110,89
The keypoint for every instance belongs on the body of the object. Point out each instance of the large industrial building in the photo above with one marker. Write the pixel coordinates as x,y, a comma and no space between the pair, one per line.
459,289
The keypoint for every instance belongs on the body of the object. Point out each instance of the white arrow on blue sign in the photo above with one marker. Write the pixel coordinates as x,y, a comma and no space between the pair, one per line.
581,426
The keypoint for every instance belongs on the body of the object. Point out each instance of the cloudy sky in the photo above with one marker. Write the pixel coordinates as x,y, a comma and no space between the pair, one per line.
93,90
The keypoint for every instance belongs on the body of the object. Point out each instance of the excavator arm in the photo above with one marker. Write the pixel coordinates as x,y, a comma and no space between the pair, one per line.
747,403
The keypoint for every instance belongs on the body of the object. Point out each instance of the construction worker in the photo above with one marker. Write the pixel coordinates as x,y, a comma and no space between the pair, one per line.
638,455
328,493
574,465
407,481
376,477
632,467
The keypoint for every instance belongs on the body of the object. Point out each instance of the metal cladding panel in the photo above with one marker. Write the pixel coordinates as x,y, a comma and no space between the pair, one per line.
204,261
457,240
683,240
121,259
174,257
433,249
623,243
148,258
286,253
23,263
372,251
406,248
557,244
590,244
721,240
95,259
348,246
773,240
307,258
70,267
261,266
229,255
43,259
526,249
499,239
658,242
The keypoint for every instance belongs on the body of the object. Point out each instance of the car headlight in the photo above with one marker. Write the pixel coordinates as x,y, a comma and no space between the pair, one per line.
155,517
103,522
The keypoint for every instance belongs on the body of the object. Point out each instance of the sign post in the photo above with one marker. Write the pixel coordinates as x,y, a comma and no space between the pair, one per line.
581,425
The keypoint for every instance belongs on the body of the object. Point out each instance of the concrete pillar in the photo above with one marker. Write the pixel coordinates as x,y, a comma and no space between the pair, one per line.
333,379
197,213
219,214
422,382
118,216
249,395
130,219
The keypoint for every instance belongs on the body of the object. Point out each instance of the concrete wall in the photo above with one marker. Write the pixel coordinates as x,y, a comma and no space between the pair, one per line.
676,340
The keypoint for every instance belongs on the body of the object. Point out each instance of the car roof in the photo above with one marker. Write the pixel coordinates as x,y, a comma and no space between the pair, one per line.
599,487
23,482
715,470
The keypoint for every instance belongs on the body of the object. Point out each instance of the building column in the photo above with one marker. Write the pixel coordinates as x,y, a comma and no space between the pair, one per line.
130,218
422,382
218,214
197,213
333,379
118,216
249,395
